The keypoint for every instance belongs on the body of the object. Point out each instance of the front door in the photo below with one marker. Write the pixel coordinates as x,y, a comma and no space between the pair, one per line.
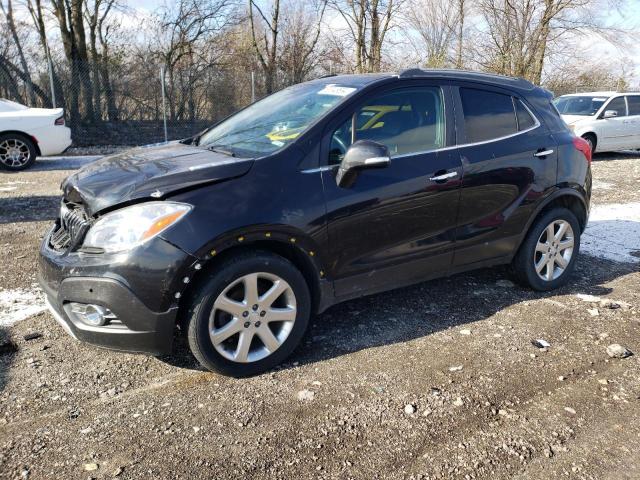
394,225
614,131
632,121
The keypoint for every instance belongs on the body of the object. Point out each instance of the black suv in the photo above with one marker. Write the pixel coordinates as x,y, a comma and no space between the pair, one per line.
325,191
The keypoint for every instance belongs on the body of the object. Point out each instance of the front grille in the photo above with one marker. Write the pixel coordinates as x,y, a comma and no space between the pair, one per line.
70,228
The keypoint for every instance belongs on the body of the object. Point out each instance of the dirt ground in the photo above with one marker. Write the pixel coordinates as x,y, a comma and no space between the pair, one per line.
439,380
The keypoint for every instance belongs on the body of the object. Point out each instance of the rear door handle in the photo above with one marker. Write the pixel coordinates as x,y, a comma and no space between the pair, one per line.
543,153
444,176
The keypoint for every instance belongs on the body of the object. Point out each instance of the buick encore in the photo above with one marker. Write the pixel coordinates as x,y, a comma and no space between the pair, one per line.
323,192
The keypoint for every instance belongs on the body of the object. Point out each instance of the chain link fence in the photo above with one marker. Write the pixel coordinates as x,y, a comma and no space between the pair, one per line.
132,103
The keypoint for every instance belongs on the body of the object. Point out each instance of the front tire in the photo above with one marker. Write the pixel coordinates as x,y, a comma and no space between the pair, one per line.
17,152
249,315
548,254
591,140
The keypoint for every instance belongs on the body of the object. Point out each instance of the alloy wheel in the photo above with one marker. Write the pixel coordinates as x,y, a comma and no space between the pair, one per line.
14,152
252,317
554,250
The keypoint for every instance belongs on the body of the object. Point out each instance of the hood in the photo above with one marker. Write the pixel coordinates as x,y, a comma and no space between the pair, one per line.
154,172
571,119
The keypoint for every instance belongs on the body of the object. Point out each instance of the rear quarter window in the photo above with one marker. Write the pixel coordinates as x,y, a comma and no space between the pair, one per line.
525,120
487,115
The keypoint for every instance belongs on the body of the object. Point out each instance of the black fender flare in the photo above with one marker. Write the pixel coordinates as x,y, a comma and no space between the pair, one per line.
561,192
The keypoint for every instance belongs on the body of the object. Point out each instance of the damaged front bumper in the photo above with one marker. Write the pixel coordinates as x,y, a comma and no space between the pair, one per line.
137,287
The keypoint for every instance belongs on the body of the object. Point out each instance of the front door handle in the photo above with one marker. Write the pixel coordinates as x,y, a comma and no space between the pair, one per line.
543,153
444,176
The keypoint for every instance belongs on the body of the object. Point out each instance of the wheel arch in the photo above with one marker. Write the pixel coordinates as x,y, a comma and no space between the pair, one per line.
566,198
24,134
295,249
593,134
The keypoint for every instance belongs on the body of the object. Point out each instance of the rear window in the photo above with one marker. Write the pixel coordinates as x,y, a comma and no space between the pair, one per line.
9,106
487,115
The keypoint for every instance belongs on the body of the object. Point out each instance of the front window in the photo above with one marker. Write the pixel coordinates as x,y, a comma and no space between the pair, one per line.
586,105
407,121
275,121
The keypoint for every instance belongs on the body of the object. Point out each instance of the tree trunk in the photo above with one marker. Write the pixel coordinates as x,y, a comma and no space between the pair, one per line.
8,13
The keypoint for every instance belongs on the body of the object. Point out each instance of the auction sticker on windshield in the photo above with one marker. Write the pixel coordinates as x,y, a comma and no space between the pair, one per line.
336,90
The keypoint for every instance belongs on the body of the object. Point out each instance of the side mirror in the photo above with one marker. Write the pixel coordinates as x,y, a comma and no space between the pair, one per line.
610,114
362,154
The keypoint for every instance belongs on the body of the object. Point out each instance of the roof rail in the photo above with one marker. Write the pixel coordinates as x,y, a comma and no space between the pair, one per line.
412,72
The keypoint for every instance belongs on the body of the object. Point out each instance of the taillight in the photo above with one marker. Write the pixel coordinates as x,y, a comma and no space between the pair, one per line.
583,146
59,120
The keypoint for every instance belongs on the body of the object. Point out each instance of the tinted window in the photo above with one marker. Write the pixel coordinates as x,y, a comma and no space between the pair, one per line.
618,105
634,104
406,121
525,120
487,115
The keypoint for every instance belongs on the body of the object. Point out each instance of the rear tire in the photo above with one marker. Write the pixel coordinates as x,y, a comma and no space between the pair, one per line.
591,140
545,260
17,152
249,315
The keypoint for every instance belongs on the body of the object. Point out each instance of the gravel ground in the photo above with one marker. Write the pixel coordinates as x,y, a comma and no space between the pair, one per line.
439,380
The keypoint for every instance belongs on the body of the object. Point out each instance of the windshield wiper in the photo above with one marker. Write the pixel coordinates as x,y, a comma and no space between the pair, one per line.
221,149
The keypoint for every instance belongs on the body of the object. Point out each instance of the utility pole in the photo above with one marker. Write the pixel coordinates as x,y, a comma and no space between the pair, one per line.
164,108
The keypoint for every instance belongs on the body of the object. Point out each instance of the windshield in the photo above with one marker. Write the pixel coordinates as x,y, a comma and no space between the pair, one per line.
275,121
579,104
9,106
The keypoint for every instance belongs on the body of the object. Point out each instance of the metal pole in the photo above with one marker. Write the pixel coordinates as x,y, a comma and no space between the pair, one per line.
164,108
53,90
253,87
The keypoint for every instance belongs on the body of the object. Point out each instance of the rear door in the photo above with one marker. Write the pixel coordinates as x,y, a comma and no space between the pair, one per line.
395,225
509,162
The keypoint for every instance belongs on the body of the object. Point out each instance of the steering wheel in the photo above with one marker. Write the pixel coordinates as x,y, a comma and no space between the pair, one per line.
342,146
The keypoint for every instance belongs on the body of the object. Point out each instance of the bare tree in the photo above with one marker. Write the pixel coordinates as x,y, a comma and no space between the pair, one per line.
437,24
300,36
522,32
368,22
267,48
8,14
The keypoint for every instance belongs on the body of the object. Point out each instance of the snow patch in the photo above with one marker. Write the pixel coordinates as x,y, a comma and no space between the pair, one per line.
19,304
613,232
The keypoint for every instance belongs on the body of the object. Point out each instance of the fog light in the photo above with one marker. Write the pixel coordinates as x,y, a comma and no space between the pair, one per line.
93,315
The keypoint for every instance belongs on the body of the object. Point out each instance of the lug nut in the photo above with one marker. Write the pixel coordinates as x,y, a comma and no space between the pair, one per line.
263,313
255,307
257,323
247,324
245,314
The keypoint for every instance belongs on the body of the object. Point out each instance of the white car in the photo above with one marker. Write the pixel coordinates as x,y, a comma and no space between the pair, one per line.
26,133
609,121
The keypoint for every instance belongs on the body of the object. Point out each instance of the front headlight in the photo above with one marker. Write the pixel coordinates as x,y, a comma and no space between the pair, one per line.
131,226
